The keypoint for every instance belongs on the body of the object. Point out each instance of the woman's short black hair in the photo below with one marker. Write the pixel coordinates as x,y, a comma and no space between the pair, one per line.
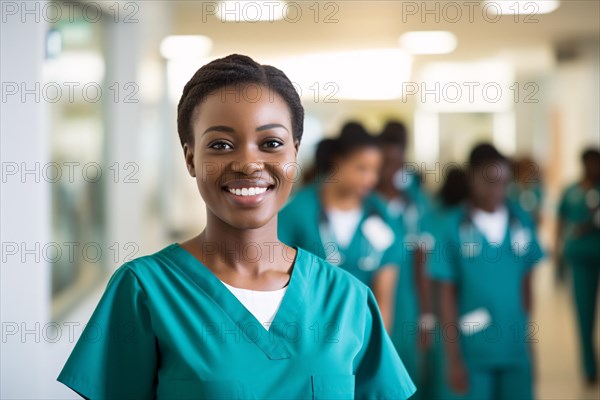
455,187
485,154
590,154
394,133
235,69
323,154
352,137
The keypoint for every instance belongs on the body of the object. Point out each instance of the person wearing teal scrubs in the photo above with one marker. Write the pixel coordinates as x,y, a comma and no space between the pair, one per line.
450,198
526,190
579,235
484,256
453,193
339,218
174,324
409,207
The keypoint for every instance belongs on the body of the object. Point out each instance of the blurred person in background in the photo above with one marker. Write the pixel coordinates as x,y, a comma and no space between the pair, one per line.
209,318
409,206
339,218
454,190
578,243
451,196
322,161
526,189
484,257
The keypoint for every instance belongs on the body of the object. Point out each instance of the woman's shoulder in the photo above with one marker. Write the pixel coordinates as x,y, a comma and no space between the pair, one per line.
148,266
453,214
572,189
323,275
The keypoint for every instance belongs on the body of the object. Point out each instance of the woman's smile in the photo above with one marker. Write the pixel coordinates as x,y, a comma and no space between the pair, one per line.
246,192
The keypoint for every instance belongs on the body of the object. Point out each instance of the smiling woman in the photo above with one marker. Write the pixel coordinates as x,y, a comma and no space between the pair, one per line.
234,312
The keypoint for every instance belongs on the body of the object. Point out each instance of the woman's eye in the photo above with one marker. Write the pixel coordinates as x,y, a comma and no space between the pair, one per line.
220,146
273,144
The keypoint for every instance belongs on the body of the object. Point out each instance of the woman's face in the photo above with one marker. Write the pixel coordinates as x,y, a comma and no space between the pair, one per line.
489,185
358,172
244,154
393,161
592,169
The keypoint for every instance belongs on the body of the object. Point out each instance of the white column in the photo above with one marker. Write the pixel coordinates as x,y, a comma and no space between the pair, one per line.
123,194
25,203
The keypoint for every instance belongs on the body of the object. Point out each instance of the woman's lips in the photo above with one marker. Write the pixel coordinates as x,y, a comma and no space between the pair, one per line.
247,193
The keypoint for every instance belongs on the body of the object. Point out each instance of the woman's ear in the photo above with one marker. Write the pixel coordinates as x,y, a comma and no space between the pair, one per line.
188,154
296,145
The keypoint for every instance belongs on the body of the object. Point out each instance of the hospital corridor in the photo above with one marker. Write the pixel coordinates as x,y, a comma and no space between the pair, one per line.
247,199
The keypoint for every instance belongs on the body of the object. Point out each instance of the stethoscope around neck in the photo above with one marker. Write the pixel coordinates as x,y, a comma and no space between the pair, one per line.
337,257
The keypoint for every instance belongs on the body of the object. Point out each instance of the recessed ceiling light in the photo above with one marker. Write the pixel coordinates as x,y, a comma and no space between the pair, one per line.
428,42
192,46
528,7
369,74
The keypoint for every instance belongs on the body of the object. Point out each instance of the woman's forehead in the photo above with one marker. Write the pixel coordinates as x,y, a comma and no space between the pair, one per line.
228,107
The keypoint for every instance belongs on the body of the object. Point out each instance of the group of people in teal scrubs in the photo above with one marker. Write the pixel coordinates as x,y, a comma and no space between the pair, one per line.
389,293
451,270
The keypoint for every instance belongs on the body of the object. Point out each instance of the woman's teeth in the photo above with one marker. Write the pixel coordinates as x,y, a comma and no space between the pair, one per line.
253,191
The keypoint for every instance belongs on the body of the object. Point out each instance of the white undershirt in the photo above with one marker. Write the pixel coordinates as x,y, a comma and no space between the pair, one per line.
263,304
344,224
493,225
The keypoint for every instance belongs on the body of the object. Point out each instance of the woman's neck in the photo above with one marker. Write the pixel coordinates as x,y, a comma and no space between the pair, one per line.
486,207
588,182
389,192
248,251
332,196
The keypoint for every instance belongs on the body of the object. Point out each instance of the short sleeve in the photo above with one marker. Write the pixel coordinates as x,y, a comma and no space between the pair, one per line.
380,373
394,255
116,355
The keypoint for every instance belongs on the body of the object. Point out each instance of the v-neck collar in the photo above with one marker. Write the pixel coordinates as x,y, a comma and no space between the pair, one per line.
322,216
355,236
505,237
272,342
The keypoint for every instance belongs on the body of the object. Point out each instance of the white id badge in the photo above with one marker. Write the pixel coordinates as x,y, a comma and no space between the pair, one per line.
378,233
474,321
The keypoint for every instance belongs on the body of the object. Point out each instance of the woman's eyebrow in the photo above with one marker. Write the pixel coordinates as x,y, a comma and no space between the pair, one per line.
219,128
223,128
270,126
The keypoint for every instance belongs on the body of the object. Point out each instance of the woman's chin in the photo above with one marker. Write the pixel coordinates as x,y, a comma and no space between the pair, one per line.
247,221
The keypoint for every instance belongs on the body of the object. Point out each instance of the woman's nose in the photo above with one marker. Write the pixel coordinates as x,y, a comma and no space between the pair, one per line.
248,161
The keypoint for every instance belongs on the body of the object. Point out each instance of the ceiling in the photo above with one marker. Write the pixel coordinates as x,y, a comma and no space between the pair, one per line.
376,24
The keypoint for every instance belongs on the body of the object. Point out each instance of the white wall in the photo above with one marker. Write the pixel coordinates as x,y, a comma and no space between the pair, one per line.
24,212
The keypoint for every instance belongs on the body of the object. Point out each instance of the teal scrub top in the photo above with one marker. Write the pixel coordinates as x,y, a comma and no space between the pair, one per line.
489,278
167,327
529,198
409,224
580,208
302,223
411,228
